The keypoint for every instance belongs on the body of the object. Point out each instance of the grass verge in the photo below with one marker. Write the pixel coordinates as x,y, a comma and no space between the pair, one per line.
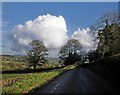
23,83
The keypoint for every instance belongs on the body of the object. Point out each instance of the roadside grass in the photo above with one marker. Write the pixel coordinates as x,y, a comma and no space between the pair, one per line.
9,76
24,83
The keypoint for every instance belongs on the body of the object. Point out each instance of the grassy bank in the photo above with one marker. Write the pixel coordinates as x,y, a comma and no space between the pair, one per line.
23,83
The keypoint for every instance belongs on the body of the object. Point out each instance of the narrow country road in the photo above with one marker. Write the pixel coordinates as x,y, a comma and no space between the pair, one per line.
79,80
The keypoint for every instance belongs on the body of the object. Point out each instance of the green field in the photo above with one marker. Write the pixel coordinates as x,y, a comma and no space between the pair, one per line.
16,65
23,83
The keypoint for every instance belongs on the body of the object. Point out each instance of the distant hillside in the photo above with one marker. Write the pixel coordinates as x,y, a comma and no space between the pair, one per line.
13,57
16,57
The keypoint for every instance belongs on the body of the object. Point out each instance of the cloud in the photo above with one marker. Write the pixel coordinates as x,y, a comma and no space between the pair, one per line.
50,29
86,38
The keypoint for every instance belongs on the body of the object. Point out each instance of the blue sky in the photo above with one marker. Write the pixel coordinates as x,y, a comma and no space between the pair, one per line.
76,15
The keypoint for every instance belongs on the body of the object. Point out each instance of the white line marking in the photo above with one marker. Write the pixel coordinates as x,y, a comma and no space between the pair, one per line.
56,86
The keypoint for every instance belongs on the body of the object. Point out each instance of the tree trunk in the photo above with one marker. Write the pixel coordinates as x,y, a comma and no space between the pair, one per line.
83,62
34,66
103,55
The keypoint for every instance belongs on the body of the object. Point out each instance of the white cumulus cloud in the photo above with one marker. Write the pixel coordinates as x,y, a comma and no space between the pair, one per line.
50,29
86,38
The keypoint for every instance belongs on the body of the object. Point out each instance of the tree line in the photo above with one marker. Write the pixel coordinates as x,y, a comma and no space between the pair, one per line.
108,36
108,28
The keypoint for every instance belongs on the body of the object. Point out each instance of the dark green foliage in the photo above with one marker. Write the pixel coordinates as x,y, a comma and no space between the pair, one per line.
72,58
109,40
69,53
37,55
93,55
108,67
109,34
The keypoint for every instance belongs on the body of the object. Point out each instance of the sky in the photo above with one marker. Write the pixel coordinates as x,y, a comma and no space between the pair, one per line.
51,23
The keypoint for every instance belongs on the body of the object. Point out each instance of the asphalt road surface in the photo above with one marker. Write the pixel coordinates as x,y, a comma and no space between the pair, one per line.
79,80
